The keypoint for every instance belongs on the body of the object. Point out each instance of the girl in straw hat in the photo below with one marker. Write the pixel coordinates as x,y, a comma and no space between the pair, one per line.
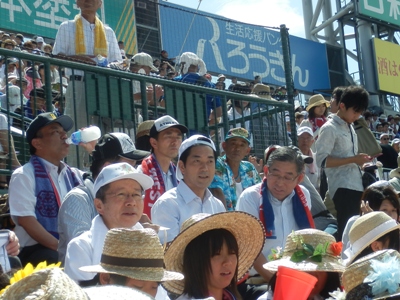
370,233
213,252
317,112
379,196
312,251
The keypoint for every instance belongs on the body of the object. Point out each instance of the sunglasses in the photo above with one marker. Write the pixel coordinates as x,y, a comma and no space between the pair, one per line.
385,139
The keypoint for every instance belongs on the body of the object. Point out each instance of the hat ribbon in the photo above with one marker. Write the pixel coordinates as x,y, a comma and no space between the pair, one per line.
132,262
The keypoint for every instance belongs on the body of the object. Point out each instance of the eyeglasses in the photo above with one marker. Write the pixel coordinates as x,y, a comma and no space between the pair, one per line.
124,196
285,178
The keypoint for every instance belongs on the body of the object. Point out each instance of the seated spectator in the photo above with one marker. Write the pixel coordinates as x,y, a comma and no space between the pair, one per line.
305,140
221,79
370,233
317,112
164,57
395,176
37,188
278,200
118,190
299,118
389,154
396,145
196,169
8,44
232,173
144,271
77,209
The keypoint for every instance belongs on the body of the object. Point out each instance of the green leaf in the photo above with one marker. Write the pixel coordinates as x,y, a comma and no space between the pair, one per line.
299,256
309,250
316,258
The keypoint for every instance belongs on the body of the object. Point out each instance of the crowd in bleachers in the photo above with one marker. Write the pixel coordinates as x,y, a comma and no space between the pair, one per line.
162,213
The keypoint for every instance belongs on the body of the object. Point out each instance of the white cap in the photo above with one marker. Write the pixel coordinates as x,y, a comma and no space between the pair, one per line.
144,59
303,129
194,140
39,39
120,171
13,95
164,123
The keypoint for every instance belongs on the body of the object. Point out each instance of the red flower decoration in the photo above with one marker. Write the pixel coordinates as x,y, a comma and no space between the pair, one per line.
336,248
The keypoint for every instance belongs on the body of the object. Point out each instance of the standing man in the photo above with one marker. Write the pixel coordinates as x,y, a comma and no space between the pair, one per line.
84,38
166,137
196,169
232,174
279,202
337,152
38,188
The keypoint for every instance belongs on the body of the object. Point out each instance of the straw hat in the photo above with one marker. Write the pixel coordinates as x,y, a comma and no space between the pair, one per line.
136,254
367,229
357,284
49,284
144,128
330,260
262,91
113,292
317,100
247,230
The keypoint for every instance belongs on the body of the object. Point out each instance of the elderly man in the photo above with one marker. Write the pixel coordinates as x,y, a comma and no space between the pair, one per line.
232,174
166,137
118,190
84,38
280,203
196,169
77,210
38,188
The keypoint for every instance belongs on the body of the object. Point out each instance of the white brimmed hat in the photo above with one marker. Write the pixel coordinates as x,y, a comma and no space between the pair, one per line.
188,59
164,123
144,59
114,292
330,261
120,171
194,140
375,276
136,254
367,229
317,100
247,230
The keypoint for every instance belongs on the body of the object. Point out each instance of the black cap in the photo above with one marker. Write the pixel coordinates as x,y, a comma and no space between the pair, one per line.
45,119
307,159
115,144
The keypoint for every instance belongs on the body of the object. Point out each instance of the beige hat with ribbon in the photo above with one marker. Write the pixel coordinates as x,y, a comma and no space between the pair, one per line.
317,100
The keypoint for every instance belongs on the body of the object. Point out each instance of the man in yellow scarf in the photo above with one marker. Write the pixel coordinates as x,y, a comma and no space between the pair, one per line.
83,38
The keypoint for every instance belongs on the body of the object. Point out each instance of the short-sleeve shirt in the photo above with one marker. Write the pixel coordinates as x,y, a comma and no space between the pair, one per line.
225,180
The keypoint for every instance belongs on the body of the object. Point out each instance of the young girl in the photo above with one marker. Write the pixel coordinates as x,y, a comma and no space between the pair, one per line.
317,112
370,233
327,269
213,252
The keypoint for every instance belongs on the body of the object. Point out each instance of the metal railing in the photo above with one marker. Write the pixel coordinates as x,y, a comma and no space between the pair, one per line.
109,103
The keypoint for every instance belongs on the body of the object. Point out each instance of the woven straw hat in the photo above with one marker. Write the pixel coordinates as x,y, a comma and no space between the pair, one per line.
247,230
111,292
367,229
317,100
49,284
355,274
136,254
144,128
330,261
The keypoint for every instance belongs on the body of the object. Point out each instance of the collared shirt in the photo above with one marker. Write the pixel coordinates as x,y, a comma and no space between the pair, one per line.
250,202
167,177
225,180
177,205
337,138
22,196
65,41
75,215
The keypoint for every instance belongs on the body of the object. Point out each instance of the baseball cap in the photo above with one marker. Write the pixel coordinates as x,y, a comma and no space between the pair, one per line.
120,171
117,144
194,140
303,129
166,122
395,141
238,133
144,59
45,119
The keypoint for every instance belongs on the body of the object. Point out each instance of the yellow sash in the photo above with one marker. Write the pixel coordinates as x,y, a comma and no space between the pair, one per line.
100,41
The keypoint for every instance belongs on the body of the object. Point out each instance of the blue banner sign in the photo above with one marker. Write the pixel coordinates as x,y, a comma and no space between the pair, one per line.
242,50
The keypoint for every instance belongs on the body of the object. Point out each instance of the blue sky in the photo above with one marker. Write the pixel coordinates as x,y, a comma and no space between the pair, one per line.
258,12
